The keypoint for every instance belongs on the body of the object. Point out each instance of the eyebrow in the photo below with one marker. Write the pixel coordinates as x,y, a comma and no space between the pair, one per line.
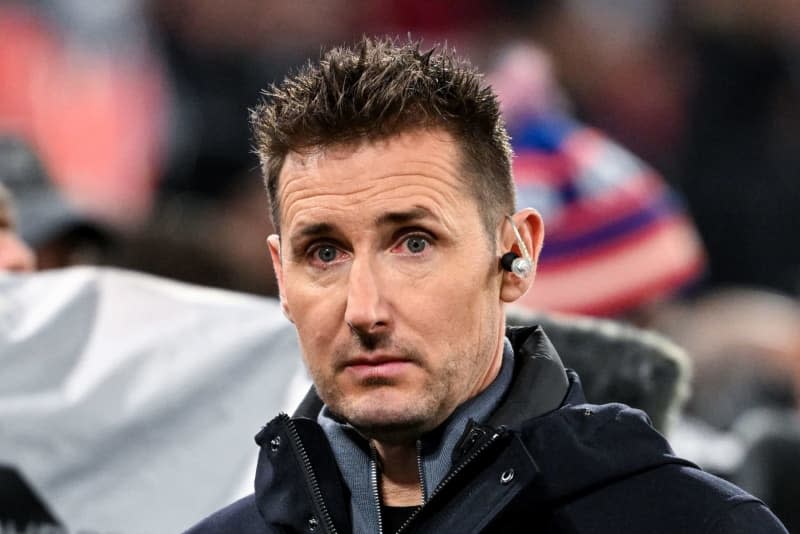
313,230
403,217
392,217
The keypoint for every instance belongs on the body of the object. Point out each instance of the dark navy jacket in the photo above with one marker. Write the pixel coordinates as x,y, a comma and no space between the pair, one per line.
545,462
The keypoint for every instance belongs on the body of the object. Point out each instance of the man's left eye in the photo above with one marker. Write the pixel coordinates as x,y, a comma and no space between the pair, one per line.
416,244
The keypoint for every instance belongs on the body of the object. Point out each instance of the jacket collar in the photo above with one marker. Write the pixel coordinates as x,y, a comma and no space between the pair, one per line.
540,381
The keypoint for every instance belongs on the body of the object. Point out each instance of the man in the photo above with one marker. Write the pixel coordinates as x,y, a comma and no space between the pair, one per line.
15,255
388,170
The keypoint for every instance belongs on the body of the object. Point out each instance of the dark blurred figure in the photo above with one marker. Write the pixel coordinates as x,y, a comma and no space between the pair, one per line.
741,168
60,234
217,58
771,466
21,508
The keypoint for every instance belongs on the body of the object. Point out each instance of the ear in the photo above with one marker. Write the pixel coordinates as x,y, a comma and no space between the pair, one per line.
274,245
531,229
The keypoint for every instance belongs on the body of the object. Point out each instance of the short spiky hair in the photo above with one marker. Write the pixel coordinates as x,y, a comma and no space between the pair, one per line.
379,88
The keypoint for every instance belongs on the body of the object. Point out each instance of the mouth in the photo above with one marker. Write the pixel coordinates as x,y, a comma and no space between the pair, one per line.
377,366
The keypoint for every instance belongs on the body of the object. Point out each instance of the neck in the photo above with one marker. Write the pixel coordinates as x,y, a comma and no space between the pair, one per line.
400,484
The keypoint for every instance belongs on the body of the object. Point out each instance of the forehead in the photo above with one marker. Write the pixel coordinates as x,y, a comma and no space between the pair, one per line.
414,169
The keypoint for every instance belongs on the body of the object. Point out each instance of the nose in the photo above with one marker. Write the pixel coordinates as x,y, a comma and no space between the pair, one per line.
366,310
14,254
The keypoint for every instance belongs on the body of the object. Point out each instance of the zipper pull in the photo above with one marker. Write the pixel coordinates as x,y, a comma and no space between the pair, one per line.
472,438
268,431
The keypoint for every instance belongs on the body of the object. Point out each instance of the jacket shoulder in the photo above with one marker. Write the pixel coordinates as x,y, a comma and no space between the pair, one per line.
607,460
240,517
728,509
672,498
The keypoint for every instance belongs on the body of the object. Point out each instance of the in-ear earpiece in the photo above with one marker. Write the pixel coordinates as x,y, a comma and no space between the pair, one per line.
512,262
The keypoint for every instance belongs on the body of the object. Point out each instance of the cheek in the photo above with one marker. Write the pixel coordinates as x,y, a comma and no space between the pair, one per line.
317,325
451,308
316,348
317,316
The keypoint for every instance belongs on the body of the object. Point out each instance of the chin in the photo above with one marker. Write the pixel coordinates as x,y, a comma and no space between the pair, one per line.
391,432
389,422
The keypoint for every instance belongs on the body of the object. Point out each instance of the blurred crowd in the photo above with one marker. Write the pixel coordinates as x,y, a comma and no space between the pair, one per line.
660,140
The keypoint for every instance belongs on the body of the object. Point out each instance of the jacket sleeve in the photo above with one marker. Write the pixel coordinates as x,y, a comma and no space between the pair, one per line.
747,516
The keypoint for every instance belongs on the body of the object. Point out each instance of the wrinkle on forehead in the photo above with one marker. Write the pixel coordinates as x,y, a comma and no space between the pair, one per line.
350,205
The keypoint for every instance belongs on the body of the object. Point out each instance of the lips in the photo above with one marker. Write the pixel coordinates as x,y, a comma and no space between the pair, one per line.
370,366
375,359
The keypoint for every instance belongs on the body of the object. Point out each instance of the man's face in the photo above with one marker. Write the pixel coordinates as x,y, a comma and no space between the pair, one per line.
15,255
392,282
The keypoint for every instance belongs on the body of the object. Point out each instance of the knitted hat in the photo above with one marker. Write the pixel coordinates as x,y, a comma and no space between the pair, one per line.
616,236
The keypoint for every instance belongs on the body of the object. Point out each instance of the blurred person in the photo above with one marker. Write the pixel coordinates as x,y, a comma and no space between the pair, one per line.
397,246
618,237
15,255
59,233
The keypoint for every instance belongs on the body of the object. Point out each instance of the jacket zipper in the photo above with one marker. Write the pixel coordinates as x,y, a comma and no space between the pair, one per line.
420,471
310,476
454,473
375,487
376,492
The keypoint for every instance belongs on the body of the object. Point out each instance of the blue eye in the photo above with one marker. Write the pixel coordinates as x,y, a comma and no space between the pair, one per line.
416,244
326,253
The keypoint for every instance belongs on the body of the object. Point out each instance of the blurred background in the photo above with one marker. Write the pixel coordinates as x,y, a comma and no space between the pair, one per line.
659,139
